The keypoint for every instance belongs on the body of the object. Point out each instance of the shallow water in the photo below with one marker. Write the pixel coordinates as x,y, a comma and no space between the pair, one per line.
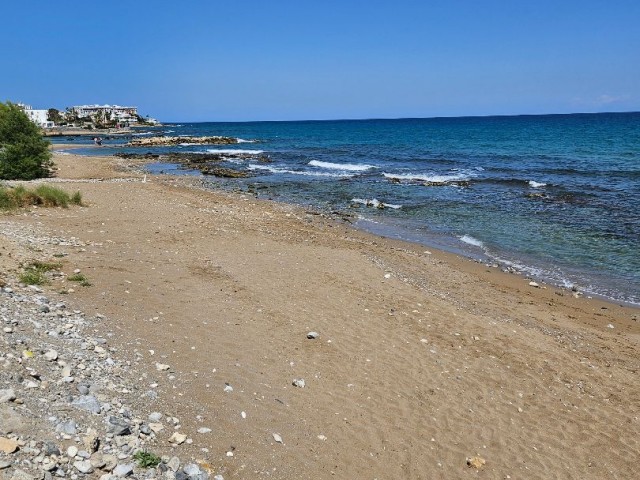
556,196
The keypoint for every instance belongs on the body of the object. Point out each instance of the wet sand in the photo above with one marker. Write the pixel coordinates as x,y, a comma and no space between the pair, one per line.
423,359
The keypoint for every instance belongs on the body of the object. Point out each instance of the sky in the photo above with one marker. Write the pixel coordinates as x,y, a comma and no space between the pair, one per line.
244,60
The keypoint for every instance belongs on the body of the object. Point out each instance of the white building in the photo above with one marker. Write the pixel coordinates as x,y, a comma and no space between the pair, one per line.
103,112
39,117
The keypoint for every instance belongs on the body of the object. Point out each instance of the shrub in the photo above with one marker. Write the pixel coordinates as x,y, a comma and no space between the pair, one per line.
34,273
44,195
52,197
24,154
147,459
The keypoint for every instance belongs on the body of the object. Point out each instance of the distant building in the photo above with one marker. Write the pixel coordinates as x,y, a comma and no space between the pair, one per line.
124,115
39,117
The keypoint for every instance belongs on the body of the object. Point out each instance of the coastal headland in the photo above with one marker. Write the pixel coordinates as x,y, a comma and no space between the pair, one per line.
290,345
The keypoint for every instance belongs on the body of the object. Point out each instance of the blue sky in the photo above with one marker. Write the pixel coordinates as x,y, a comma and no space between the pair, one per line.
280,60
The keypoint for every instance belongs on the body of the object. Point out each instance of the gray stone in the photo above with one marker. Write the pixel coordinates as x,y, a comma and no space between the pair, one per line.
123,470
83,466
191,469
7,395
88,403
21,475
118,426
181,475
83,389
69,427
173,464
50,448
155,417
194,472
10,421
4,464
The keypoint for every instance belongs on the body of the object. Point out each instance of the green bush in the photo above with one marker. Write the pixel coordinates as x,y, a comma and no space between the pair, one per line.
24,154
52,197
147,459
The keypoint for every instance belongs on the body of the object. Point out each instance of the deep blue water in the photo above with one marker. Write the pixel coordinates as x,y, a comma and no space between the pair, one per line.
555,196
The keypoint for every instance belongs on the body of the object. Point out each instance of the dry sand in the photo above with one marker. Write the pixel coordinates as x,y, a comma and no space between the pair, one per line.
423,360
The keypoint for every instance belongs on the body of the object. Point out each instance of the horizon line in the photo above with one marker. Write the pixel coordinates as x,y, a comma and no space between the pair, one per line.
404,118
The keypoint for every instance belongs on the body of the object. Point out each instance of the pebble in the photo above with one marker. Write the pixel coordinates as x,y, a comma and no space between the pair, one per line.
177,438
277,437
7,395
123,470
51,355
312,335
8,445
298,382
534,284
155,417
94,428
88,403
476,462
83,466
161,367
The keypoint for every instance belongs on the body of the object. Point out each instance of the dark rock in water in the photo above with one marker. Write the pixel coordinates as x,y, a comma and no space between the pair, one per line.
157,141
223,172
457,183
138,156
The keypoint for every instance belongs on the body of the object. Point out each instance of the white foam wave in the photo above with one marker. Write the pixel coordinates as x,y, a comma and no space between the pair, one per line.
374,202
471,241
348,167
242,140
229,151
294,172
143,134
428,178
533,184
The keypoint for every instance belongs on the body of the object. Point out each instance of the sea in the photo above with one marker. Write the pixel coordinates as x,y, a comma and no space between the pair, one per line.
555,198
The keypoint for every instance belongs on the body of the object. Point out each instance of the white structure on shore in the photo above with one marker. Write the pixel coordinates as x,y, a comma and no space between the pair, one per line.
120,114
39,117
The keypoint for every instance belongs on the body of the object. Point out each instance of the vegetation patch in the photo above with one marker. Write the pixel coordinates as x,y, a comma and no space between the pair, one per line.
147,459
35,272
80,278
43,195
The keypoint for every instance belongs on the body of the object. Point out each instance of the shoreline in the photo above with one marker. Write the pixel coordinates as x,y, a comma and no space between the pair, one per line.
422,360
376,227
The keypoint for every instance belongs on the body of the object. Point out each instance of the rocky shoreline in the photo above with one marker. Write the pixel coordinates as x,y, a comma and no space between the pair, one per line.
71,403
206,163
166,140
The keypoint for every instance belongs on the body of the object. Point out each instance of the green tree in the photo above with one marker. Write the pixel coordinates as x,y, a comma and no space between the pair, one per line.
53,115
24,153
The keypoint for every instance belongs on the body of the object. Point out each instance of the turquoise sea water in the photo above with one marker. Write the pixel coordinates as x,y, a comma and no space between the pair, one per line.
556,197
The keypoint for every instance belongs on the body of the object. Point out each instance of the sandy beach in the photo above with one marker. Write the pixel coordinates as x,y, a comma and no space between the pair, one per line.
423,359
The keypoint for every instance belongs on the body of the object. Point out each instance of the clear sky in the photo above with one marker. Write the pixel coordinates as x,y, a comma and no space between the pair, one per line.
279,59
